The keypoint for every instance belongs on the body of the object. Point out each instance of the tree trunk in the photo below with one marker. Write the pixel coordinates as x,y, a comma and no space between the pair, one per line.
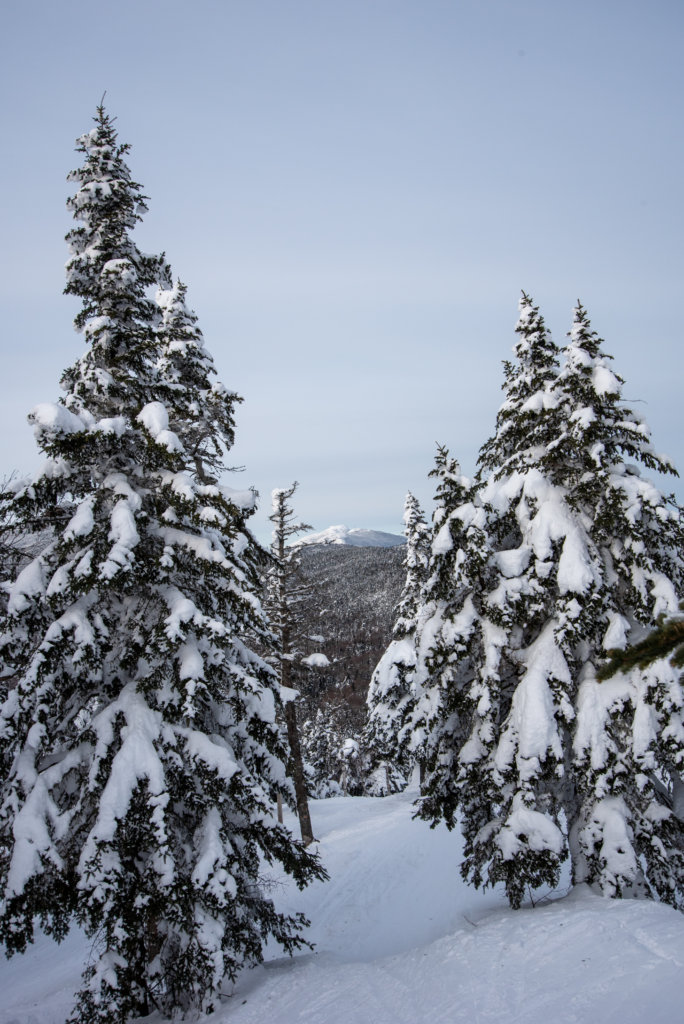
280,517
297,765
298,773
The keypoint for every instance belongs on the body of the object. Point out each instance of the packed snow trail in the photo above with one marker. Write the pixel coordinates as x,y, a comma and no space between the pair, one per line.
394,882
400,939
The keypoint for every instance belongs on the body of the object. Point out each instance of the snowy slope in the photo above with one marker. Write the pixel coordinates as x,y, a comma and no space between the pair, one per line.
356,537
401,940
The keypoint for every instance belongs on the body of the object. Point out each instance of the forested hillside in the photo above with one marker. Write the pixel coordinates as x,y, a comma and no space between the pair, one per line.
351,604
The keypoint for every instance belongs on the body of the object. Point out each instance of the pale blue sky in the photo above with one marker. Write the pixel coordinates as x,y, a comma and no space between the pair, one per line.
355,193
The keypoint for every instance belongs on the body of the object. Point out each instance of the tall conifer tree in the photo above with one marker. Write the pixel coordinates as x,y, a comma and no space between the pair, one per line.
581,551
141,759
391,694
285,589
628,833
449,636
489,763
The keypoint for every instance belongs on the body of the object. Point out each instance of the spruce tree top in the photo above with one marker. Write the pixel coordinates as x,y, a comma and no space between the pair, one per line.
598,455
111,276
600,430
522,423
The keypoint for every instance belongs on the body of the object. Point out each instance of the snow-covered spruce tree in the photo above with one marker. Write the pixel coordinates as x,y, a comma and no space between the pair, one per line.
552,757
141,759
512,767
285,589
335,760
321,741
391,692
449,637
355,767
628,832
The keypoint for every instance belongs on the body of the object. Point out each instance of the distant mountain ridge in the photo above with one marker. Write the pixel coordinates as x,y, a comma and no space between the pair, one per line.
354,538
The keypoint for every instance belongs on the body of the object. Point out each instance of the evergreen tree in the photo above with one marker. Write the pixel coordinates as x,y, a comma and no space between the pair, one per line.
513,776
140,755
450,637
354,767
391,695
629,735
323,737
336,761
540,758
285,588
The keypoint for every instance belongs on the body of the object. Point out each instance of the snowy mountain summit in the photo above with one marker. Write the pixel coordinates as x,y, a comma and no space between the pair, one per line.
356,538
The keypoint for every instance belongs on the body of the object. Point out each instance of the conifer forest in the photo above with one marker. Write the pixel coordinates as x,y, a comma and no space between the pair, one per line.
193,724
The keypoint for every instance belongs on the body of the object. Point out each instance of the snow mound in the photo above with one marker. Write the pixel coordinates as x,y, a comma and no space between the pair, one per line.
316,661
355,537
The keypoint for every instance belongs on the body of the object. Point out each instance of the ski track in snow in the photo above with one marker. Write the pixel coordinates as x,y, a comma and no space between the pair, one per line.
400,939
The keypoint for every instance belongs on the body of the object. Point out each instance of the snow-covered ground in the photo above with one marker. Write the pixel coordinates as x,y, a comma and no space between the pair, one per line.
401,940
